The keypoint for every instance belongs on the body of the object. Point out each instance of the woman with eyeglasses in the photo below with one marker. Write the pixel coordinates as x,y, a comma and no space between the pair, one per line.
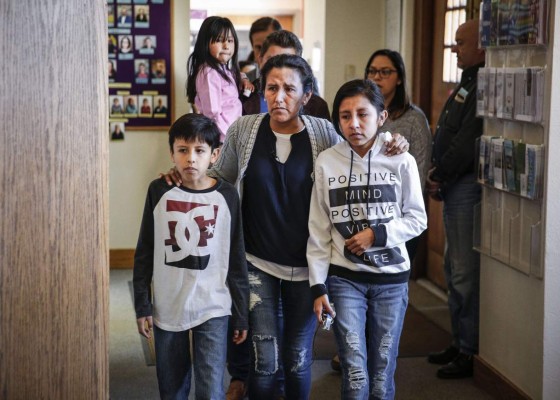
386,68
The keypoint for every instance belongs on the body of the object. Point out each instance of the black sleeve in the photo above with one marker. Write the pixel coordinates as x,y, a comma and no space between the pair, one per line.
317,107
237,278
144,259
458,159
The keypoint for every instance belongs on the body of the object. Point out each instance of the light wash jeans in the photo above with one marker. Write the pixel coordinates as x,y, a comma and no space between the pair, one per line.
368,324
293,341
173,361
462,263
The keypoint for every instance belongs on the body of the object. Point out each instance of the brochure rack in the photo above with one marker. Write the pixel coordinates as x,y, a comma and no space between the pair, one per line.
508,221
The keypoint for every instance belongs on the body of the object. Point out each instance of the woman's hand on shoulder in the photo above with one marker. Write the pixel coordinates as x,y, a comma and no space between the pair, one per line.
398,145
172,177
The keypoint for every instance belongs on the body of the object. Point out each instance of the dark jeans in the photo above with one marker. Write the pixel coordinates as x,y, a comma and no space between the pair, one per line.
173,360
462,263
293,341
239,357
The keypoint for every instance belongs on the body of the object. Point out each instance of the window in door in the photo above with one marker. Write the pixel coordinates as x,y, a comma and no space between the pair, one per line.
455,15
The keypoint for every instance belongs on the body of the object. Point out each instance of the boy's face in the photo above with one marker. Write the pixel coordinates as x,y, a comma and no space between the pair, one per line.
192,159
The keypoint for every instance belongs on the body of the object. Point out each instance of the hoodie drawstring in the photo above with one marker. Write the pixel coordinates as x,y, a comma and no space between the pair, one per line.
367,188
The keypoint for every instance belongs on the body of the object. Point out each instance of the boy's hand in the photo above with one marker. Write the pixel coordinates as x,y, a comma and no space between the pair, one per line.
360,242
247,85
239,336
433,187
398,145
145,325
320,304
173,177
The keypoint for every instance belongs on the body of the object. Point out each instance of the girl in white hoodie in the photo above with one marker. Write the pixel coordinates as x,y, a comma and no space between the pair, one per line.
364,207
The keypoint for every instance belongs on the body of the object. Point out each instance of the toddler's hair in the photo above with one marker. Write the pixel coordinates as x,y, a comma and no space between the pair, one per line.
212,29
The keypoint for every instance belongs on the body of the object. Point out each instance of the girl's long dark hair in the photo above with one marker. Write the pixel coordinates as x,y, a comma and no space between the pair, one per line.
401,102
211,30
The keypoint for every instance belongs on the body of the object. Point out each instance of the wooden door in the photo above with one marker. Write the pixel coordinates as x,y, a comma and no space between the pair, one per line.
54,320
430,92
440,92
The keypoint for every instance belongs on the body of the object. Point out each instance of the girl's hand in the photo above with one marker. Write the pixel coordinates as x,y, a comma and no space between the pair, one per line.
172,177
398,145
320,304
247,85
145,325
360,242
239,336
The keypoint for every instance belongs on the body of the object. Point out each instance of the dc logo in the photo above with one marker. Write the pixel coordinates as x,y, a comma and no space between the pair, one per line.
187,246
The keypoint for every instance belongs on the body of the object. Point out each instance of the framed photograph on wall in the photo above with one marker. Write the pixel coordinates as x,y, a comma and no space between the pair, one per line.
139,52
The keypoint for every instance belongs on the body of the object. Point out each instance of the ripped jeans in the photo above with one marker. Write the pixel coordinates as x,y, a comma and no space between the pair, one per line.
264,334
368,368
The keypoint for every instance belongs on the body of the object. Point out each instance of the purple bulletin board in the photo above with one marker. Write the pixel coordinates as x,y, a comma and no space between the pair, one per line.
140,63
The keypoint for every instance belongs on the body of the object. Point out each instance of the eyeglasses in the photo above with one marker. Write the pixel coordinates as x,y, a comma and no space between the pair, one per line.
383,73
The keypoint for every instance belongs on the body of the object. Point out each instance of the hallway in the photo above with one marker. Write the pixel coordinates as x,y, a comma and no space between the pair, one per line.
131,378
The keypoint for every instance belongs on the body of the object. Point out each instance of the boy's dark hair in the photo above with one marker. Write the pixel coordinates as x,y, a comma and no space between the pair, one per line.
211,29
195,127
289,61
362,87
262,25
401,101
284,39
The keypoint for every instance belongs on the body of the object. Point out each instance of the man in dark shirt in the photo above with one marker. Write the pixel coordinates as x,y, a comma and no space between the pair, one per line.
452,180
282,42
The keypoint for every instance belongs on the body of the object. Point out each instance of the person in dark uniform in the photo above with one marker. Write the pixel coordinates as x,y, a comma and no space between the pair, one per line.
452,180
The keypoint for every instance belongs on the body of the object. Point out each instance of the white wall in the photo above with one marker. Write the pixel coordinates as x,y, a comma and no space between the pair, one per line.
354,29
520,314
314,36
251,7
136,161
551,334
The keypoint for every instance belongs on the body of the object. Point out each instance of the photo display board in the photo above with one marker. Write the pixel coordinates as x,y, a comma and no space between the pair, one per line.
139,63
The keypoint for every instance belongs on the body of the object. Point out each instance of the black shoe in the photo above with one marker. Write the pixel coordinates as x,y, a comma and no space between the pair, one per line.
461,367
443,357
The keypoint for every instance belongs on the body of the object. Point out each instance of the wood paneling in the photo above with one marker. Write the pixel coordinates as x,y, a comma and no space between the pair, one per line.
494,383
423,49
53,243
121,258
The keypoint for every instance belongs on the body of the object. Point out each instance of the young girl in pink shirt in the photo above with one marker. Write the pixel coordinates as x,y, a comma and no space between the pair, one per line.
214,80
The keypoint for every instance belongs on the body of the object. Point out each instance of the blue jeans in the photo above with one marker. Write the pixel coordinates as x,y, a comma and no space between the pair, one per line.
268,340
173,360
368,359
239,357
462,263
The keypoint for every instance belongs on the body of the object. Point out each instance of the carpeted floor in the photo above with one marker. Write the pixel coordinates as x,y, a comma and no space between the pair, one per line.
419,337
415,379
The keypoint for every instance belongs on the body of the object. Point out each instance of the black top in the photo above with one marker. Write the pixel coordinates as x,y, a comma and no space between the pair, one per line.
457,130
276,199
